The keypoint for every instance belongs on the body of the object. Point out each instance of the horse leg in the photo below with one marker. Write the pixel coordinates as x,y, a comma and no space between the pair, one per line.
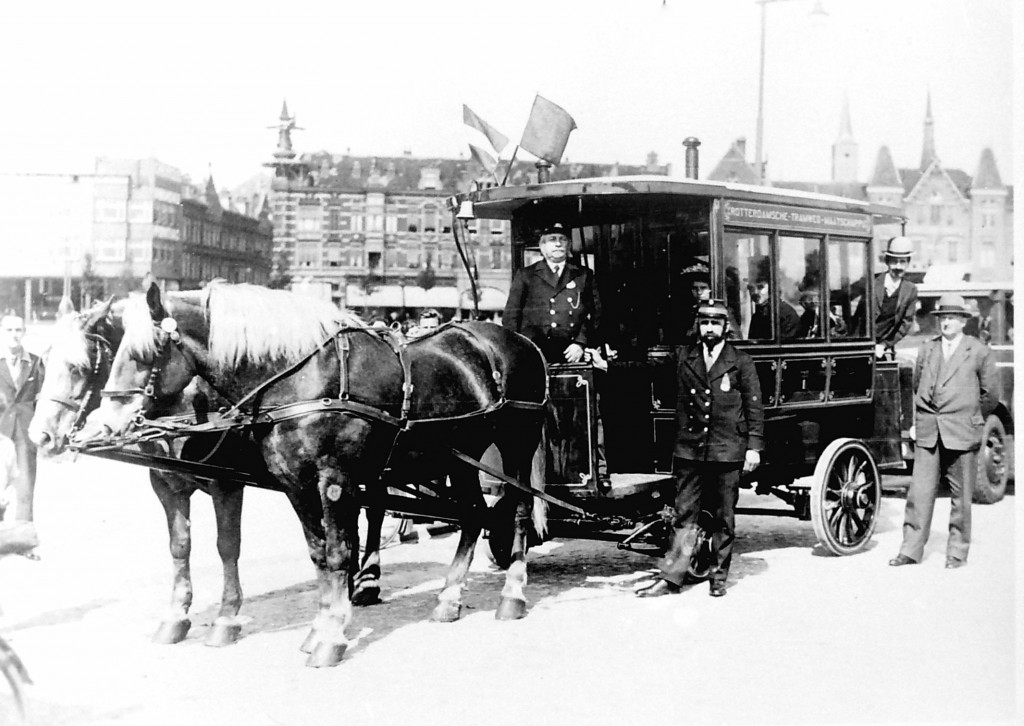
471,508
366,590
227,506
341,529
513,596
307,507
175,624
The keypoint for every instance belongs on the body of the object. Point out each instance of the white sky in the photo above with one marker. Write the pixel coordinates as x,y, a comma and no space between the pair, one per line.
197,83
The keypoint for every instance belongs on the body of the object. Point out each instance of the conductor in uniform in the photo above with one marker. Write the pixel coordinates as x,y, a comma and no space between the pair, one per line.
554,302
719,433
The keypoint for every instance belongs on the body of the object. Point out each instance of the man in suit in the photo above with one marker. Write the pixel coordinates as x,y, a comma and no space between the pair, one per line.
21,377
954,384
554,302
719,432
895,298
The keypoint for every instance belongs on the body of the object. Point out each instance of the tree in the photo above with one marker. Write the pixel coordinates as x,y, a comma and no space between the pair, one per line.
280,274
92,287
427,278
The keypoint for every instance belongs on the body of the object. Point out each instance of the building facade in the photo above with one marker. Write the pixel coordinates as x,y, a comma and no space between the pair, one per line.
375,234
961,225
96,235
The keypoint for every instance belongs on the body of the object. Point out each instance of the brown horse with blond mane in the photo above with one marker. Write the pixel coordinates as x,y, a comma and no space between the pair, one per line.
329,405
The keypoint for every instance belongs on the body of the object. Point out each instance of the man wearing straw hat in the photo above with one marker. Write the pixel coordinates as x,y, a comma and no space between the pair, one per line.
954,384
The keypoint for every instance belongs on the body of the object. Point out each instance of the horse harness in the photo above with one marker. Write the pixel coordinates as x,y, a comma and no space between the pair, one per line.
103,350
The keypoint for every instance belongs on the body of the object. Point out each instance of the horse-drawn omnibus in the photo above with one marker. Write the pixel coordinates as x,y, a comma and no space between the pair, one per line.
833,412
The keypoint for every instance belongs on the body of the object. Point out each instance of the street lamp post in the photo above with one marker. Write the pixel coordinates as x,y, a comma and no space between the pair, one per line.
818,11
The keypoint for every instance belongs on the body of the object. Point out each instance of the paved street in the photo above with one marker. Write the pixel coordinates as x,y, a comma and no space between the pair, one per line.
802,638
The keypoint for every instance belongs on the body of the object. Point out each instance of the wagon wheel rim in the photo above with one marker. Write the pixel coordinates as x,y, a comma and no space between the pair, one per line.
995,462
849,495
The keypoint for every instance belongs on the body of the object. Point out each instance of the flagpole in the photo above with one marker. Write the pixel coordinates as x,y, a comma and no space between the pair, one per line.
510,161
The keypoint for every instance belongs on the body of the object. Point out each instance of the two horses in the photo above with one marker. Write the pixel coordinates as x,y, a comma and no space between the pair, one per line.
330,406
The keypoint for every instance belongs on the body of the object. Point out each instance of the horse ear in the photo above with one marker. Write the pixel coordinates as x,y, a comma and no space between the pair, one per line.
156,305
100,312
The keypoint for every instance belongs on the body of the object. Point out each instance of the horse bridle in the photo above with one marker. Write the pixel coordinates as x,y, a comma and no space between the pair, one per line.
168,328
103,348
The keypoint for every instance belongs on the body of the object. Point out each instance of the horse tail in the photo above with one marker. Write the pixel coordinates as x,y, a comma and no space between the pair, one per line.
538,470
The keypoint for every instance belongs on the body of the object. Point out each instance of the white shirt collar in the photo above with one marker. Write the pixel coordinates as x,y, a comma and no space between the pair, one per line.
949,346
891,283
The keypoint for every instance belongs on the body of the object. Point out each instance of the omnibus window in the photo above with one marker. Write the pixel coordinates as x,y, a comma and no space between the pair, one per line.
747,265
799,294
847,264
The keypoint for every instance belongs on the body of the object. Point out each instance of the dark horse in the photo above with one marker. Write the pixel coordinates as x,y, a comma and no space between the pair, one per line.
331,405
78,365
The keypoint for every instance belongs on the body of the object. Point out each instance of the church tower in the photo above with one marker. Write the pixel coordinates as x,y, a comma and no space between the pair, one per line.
991,246
844,150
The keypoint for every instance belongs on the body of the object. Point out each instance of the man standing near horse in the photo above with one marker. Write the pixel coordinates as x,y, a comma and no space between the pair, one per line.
21,377
954,384
554,301
719,432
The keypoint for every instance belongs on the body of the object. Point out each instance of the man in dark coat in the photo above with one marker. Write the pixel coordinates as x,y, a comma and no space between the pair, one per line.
895,298
554,302
761,319
21,377
719,432
954,384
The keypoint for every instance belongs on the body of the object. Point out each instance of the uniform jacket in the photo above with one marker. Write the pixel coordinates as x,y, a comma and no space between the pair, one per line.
18,398
953,405
906,297
554,312
719,414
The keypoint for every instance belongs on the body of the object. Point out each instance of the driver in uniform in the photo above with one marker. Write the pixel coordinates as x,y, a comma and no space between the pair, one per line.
719,432
554,302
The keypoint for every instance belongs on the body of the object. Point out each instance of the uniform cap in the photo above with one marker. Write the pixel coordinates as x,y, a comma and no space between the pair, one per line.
952,304
714,309
900,247
555,228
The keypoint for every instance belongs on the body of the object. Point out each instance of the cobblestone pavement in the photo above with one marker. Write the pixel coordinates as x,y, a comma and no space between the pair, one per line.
802,638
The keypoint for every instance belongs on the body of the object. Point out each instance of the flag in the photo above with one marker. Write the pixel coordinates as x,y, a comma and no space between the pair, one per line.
498,140
547,131
481,157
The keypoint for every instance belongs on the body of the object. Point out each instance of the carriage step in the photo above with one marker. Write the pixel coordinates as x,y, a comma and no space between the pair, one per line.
627,485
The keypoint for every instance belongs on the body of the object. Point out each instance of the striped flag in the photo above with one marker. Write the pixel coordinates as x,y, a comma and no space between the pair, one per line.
547,131
481,157
498,140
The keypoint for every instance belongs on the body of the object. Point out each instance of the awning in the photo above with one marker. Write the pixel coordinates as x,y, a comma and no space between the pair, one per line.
491,299
395,296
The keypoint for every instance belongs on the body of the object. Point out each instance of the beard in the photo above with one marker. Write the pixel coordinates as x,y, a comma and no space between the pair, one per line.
711,339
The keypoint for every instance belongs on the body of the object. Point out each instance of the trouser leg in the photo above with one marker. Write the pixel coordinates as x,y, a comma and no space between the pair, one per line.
25,482
688,493
917,518
960,473
720,496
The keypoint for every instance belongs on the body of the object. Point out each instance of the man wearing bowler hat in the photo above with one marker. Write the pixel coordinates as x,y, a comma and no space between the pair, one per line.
554,303
954,384
895,297
719,432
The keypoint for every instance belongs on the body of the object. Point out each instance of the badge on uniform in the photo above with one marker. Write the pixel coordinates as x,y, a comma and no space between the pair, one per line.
571,285
725,383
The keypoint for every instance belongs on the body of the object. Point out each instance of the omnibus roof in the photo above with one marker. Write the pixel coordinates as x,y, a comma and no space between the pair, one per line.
502,202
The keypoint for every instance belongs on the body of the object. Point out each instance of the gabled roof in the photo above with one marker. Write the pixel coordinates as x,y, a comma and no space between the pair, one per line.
734,167
912,179
886,174
988,175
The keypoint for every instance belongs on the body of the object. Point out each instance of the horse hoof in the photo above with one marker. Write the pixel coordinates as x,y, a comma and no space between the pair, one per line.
172,631
368,594
311,641
446,612
325,655
223,634
509,609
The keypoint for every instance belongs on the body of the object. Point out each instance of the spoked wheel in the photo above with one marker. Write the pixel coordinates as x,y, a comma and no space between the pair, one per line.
12,702
846,493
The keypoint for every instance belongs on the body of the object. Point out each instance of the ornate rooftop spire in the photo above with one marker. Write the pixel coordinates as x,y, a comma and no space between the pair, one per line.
928,154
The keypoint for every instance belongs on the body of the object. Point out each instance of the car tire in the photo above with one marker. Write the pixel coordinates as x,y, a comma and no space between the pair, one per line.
993,474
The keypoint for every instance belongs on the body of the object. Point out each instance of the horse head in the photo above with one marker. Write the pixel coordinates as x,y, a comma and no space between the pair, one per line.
77,366
153,365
